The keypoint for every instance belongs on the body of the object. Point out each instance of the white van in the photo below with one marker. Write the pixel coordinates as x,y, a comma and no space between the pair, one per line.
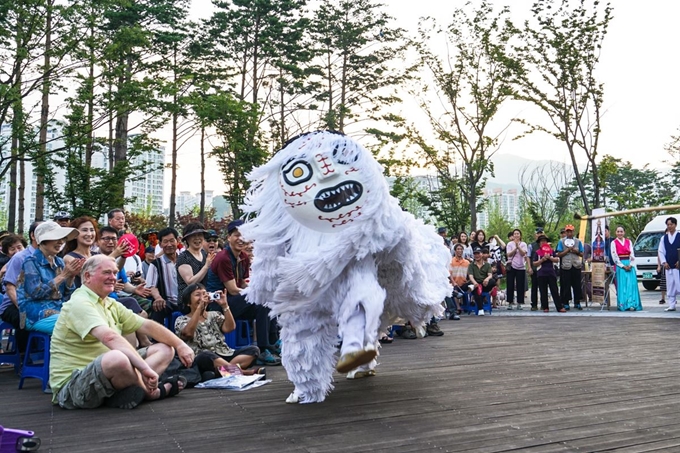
646,251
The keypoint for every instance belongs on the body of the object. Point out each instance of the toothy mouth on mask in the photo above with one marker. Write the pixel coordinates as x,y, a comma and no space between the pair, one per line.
334,198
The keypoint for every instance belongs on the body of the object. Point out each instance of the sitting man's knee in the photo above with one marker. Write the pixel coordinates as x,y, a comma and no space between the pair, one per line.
162,349
116,360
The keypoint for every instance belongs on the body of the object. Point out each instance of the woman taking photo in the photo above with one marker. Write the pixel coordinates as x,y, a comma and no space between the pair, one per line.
204,331
45,282
81,246
627,292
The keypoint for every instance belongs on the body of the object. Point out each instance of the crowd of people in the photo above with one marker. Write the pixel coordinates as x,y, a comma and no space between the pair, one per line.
106,296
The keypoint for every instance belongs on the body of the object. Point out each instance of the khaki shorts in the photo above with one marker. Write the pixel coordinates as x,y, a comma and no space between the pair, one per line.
87,389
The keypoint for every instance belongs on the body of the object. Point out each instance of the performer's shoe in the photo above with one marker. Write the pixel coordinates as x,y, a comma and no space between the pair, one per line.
355,359
670,309
358,374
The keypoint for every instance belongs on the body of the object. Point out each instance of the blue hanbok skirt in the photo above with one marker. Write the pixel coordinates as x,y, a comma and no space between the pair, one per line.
627,291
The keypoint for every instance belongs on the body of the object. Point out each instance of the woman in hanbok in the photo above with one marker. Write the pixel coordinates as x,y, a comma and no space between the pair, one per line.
627,292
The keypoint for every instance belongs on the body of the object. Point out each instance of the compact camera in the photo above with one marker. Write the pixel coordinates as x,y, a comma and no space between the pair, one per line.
215,296
137,278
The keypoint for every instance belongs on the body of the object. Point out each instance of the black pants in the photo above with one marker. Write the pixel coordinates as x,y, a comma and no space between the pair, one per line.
534,289
516,280
479,299
243,311
570,280
549,282
11,315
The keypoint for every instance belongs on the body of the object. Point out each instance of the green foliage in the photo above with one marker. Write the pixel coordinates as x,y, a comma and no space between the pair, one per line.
554,68
470,85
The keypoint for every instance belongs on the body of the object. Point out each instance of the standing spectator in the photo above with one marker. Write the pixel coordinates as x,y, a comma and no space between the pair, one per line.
627,292
92,363
467,250
45,282
517,252
63,218
229,271
442,231
543,259
534,278
668,255
479,273
480,241
162,277
194,263
116,218
570,251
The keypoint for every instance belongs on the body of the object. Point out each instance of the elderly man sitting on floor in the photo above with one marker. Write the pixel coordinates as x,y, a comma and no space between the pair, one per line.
91,361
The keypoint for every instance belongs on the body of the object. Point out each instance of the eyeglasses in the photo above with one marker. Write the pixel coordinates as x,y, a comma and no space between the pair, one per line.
109,239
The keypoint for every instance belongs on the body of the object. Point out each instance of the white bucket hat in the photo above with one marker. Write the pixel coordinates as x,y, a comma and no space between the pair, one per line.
51,231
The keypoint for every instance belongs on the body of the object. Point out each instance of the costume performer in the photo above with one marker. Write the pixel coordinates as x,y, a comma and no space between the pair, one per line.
627,292
336,255
668,256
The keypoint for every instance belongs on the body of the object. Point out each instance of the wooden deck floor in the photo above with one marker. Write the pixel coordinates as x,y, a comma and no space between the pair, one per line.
493,384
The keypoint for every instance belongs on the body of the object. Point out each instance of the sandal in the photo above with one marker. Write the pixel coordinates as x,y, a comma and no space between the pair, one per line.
127,398
386,339
174,390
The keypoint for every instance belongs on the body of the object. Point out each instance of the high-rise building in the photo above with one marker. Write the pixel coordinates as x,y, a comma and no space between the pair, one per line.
147,191
506,200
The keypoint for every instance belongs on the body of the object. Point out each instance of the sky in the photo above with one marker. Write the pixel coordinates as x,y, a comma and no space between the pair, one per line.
637,67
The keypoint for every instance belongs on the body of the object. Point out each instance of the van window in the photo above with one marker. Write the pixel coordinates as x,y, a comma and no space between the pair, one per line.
647,244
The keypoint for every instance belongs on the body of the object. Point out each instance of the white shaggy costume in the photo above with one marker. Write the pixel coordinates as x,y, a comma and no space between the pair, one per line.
336,255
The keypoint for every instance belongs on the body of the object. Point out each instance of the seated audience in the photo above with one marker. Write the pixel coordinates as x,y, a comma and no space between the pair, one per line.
45,282
162,277
204,330
193,264
11,245
92,364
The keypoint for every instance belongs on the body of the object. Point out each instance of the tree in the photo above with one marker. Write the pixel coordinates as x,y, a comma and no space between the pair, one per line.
554,69
541,188
469,87
360,55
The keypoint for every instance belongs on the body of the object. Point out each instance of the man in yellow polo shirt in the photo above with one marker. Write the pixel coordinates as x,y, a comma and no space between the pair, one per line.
93,364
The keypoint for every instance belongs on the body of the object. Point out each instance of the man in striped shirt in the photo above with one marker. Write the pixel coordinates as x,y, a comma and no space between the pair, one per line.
458,272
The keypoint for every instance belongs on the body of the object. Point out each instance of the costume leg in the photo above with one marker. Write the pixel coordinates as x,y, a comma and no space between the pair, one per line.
308,354
359,316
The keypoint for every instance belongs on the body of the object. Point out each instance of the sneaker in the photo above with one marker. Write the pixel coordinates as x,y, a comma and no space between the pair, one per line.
454,317
276,347
520,307
562,310
480,313
267,358
578,306
566,307
662,301
408,333
434,330
534,308
509,306
670,309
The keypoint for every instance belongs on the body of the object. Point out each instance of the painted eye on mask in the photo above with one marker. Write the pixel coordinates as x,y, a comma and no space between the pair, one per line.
344,156
297,173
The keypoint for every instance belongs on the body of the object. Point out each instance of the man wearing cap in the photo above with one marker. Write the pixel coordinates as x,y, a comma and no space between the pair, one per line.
45,282
63,218
149,256
442,231
534,278
9,309
668,257
230,271
210,244
481,277
570,251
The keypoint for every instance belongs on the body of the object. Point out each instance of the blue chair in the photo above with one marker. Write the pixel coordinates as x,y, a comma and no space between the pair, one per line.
11,354
175,315
486,306
37,359
240,336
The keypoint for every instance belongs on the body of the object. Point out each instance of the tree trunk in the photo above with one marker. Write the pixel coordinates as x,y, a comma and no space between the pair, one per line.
343,96
44,117
21,195
579,180
173,179
202,207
